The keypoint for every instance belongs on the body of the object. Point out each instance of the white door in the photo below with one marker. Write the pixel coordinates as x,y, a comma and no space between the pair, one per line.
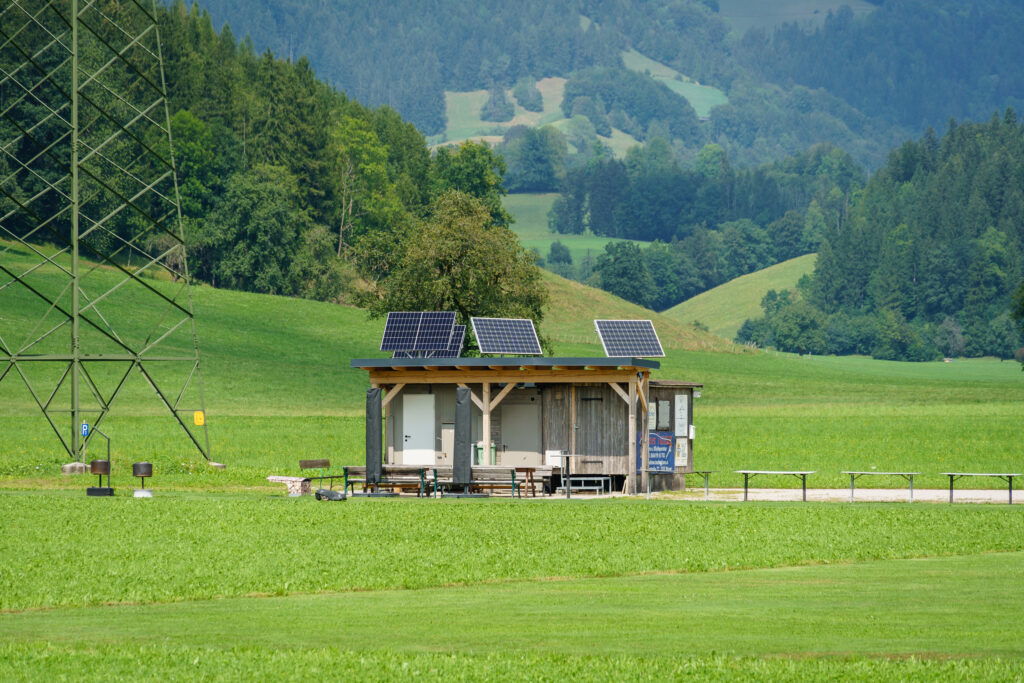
418,446
520,434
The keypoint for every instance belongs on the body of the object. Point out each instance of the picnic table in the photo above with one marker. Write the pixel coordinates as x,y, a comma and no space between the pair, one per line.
906,475
953,476
750,474
706,474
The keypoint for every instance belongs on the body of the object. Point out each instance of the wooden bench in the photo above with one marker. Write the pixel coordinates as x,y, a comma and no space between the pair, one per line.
406,478
482,477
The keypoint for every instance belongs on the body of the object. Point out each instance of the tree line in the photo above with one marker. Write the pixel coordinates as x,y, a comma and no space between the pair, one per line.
708,223
928,260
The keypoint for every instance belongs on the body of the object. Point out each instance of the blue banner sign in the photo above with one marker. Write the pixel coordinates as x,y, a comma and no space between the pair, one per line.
661,455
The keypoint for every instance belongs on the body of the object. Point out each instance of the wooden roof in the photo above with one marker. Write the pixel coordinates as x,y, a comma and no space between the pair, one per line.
518,369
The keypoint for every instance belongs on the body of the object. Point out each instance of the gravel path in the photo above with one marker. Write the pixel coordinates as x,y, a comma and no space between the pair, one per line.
860,495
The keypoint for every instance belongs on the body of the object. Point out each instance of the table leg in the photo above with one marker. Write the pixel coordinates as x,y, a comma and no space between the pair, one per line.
1010,479
803,478
851,488
745,487
911,488
706,493
951,489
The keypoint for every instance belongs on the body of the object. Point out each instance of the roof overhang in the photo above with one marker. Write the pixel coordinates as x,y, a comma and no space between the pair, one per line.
519,369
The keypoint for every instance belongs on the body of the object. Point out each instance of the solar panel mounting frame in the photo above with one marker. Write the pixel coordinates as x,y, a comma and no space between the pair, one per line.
629,339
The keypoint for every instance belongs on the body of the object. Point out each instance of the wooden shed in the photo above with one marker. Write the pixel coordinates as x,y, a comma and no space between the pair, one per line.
539,411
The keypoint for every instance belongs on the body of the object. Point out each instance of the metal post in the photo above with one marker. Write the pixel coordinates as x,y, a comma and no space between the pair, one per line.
911,488
851,487
75,283
803,479
105,142
951,489
706,493
745,476
1010,479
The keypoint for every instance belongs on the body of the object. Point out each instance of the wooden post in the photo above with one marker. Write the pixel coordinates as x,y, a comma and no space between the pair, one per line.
485,436
572,422
645,446
632,434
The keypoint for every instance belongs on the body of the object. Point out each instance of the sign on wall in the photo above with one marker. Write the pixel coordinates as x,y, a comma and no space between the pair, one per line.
661,455
682,415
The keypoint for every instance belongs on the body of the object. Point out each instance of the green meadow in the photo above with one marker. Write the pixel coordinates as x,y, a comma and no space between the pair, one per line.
531,224
230,585
701,97
221,576
726,307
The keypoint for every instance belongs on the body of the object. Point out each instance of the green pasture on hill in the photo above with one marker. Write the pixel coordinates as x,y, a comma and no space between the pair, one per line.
701,97
531,215
279,388
726,307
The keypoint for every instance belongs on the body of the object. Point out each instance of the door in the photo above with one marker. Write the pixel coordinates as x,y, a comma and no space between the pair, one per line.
444,458
520,434
418,446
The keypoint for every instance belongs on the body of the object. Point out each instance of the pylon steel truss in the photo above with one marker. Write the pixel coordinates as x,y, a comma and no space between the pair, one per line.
94,282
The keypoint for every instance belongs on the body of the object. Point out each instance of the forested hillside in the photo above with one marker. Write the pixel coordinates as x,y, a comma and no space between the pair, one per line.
927,261
709,224
864,83
287,186
913,63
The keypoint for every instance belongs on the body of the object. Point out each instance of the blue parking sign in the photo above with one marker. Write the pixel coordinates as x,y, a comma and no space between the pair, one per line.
85,429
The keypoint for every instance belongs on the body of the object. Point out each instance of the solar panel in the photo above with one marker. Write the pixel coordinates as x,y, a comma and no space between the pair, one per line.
418,331
629,338
506,335
454,349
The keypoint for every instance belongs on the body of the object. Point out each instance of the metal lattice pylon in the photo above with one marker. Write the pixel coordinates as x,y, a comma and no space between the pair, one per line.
94,282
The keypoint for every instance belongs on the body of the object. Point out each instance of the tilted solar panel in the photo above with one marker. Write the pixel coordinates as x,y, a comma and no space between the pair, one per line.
418,331
454,349
629,339
511,336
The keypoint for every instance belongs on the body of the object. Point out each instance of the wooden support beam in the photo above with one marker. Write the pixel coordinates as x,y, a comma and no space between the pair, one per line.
572,420
502,394
631,402
619,391
392,392
476,400
485,424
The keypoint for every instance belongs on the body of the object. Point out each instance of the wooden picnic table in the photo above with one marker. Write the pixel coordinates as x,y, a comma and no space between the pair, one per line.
953,476
906,475
750,474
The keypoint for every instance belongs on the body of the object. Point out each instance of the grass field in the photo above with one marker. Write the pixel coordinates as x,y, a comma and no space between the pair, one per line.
701,97
725,308
188,585
462,110
222,577
279,388
531,214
